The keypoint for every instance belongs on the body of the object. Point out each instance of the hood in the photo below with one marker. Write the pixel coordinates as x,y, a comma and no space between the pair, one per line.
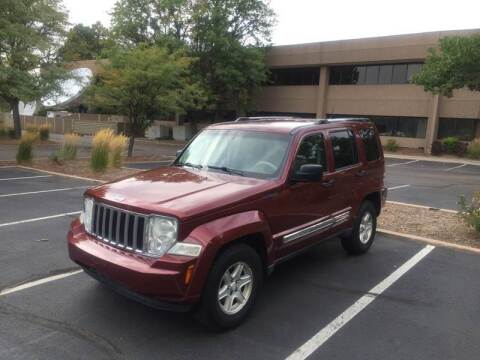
180,192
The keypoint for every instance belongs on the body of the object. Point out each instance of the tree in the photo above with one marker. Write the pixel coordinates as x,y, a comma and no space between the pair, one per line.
85,42
30,35
454,66
164,22
228,37
145,82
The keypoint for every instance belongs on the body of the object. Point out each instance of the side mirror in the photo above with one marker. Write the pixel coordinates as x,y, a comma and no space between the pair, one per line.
309,173
179,152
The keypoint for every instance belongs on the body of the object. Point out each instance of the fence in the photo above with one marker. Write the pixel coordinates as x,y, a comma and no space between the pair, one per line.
82,124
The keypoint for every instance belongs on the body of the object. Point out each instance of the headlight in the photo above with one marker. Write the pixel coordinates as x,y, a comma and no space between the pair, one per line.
87,214
161,235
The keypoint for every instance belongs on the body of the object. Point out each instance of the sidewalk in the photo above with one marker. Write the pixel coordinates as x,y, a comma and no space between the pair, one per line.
433,159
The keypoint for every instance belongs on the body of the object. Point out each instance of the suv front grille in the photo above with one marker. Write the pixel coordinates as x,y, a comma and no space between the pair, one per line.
118,227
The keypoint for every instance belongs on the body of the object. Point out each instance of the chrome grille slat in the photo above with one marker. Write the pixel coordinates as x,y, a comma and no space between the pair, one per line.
109,227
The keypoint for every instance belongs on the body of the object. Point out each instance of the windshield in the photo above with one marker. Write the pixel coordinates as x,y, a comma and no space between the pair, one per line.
240,152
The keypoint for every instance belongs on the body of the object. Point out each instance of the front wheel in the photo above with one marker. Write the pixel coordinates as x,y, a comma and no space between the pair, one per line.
231,288
363,233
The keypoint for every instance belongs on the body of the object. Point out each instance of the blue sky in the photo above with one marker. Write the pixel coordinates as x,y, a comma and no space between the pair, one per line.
301,21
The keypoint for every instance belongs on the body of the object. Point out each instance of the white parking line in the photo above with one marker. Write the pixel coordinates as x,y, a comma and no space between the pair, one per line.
456,167
38,282
398,187
404,163
39,219
26,177
43,191
327,332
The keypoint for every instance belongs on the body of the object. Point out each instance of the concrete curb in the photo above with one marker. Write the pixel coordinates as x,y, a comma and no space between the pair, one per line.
422,207
432,159
60,174
431,241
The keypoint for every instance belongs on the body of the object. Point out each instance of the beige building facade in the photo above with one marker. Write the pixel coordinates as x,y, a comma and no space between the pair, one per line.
371,78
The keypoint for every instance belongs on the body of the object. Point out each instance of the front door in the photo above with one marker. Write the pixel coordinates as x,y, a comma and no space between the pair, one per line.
303,210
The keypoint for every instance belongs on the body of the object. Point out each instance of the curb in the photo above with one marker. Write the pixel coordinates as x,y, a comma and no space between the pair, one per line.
422,207
60,174
431,241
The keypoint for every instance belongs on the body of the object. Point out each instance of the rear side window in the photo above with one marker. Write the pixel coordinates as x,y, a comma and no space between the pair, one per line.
344,148
311,151
370,143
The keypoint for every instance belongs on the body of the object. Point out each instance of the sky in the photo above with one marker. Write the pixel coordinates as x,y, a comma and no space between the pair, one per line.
303,21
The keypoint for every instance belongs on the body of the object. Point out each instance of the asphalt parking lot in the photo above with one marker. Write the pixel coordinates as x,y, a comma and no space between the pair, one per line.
402,300
435,184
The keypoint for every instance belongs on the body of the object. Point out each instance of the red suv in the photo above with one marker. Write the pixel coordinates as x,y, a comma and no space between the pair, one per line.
241,197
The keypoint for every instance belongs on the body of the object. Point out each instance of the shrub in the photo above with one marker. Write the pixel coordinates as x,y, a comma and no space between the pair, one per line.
70,145
32,129
461,149
56,157
3,132
392,145
44,132
470,212
437,148
11,133
117,146
25,147
450,144
100,149
473,150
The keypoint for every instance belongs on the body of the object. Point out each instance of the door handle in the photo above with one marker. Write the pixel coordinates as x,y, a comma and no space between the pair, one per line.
362,173
328,183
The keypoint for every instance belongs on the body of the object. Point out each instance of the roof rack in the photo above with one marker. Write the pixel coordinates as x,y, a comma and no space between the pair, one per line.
265,118
326,121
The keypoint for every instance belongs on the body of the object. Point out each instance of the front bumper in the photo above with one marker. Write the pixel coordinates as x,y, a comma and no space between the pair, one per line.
159,283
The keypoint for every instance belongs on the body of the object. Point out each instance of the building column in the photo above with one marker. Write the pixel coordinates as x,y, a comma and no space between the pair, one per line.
322,92
432,124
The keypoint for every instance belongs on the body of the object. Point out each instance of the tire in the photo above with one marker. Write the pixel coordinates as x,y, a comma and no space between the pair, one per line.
358,241
212,311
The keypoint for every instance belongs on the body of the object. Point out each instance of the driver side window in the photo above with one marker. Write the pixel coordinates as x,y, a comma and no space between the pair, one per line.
311,151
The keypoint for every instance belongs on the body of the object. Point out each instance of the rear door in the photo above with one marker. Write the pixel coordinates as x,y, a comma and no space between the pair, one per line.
347,170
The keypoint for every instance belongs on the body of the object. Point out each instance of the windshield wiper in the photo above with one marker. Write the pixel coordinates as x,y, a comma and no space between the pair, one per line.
195,166
227,170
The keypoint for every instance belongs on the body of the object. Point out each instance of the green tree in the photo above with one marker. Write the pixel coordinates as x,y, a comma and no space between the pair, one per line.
146,82
165,22
455,65
85,42
229,37
30,35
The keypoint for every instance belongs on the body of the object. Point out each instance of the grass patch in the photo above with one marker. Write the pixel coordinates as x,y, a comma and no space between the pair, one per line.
70,146
117,146
101,149
25,148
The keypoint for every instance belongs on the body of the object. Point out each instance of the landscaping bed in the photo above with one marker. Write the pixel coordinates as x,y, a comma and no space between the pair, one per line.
429,223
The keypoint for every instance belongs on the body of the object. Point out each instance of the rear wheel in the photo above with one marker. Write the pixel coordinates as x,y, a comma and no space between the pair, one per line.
231,288
359,240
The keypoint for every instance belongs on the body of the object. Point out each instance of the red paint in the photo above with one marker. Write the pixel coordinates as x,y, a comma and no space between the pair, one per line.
215,209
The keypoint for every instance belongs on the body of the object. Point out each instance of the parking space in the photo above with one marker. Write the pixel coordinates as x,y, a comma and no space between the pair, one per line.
428,183
425,313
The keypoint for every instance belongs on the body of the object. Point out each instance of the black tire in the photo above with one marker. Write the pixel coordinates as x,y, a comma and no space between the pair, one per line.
210,312
352,242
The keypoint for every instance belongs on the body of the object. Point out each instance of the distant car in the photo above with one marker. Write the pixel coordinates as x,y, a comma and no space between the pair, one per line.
204,232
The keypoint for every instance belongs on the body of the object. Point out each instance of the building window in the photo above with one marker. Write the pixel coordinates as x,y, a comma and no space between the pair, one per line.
294,76
344,148
464,129
372,148
373,74
399,126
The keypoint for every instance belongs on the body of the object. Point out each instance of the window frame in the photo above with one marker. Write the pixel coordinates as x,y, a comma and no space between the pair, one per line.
377,140
325,138
355,141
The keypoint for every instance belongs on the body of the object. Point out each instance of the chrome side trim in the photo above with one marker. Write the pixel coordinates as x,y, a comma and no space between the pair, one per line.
338,218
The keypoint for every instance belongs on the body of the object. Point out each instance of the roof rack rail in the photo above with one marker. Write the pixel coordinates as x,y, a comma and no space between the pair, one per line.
264,118
325,121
